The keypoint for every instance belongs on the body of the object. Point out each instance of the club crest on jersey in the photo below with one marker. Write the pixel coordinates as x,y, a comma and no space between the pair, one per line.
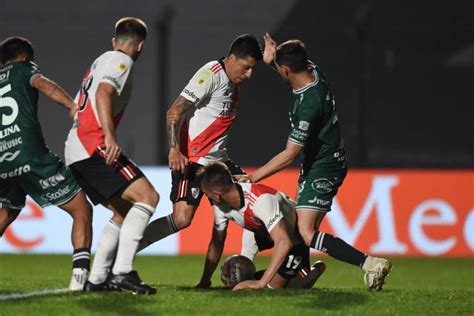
122,67
195,192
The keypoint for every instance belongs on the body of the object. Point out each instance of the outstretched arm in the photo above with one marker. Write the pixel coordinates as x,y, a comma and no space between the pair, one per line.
277,163
282,246
176,160
214,253
54,92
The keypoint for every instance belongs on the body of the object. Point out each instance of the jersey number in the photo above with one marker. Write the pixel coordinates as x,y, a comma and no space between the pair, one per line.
293,262
8,102
84,97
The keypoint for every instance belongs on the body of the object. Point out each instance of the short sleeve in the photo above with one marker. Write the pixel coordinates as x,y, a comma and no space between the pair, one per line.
32,71
220,221
200,85
116,71
267,209
307,116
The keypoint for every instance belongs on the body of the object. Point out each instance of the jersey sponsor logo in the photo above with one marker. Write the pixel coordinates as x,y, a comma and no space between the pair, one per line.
304,125
114,81
9,130
16,172
56,195
319,201
8,156
322,185
5,145
273,220
51,181
8,102
4,76
191,94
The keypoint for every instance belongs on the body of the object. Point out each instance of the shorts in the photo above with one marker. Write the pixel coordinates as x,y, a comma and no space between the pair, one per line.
101,181
298,257
184,186
45,178
316,190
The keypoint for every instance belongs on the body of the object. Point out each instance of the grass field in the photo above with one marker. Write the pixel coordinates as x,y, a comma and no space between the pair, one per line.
416,286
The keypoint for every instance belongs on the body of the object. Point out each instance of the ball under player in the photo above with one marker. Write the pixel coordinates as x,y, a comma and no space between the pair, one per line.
198,124
105,174
269,214
26,164
316,135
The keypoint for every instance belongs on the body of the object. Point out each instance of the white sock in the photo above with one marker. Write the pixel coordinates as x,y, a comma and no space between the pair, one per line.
157,230
131,233
105,253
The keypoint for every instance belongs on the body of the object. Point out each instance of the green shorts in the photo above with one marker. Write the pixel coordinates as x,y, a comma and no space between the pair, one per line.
45,178
317,189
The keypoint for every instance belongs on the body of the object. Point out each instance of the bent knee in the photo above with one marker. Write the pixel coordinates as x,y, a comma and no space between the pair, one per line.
182,220
307,236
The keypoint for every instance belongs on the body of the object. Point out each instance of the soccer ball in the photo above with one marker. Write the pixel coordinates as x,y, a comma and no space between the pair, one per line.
236,269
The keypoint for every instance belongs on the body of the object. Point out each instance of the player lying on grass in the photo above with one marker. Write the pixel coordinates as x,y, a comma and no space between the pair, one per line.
26,164
269,214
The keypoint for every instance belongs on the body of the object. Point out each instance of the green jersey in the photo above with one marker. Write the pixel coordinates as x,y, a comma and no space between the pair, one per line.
315,126
21,138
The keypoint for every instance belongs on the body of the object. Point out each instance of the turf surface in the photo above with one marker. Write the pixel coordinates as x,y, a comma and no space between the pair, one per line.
415,286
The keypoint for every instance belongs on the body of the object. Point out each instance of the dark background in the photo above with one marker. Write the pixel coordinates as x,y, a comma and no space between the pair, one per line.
402,71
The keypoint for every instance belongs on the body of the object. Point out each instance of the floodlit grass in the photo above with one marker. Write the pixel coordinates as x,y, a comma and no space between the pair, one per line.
416,286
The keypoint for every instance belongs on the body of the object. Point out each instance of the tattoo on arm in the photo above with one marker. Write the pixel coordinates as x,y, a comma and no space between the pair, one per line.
185,105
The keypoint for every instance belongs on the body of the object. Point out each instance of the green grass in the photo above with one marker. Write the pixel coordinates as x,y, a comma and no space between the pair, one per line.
416,286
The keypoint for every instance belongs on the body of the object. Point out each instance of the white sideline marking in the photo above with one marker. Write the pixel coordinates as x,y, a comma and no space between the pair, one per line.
15,296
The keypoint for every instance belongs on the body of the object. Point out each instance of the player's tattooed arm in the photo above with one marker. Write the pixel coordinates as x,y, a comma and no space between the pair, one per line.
173,117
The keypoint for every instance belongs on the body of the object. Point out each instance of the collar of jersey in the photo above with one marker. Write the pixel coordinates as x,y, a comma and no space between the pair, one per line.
315,82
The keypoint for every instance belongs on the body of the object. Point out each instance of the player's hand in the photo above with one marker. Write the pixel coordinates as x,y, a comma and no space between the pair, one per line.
270,49
203,284
72,111
112,150
177,161
249,284
247,178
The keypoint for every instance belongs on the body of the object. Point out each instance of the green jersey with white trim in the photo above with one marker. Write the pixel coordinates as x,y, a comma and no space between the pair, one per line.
21,138
315,126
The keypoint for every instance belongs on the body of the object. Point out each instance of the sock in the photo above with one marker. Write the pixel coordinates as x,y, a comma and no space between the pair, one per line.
131,233
81,258
337,248
157,230
105,253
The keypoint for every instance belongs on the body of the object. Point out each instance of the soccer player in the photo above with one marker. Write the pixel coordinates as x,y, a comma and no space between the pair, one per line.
26,164
198,123
269,214
106,175
316,135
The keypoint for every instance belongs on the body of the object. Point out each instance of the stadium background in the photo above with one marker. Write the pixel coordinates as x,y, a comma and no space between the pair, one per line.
402,73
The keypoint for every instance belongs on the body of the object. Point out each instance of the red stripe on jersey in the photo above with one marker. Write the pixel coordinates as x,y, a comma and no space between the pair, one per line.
203,143
89,130
259,189
249,196
252,222
216,68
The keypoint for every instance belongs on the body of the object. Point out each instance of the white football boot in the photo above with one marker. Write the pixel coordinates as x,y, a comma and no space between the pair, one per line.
376,270
78,279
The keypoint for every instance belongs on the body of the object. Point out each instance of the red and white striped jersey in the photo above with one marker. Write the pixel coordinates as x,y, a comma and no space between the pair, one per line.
204,129
261,209
86,134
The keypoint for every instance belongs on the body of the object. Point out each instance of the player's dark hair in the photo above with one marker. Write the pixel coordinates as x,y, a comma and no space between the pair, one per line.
13,47
246,45
292,53
215,175
130,27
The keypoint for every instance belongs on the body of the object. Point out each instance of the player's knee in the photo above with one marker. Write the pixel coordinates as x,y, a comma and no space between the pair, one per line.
149,196
182,220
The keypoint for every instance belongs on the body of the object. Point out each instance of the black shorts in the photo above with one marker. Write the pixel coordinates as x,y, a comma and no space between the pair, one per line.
101,181
184,186
297,259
